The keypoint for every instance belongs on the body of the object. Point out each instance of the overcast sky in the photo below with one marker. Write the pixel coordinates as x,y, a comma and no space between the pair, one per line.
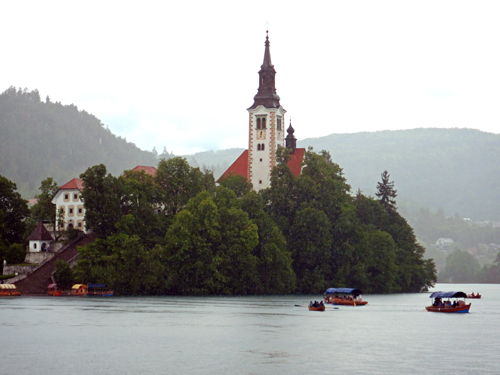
181,74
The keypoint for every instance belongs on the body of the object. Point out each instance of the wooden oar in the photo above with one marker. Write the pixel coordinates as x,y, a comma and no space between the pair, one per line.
336,308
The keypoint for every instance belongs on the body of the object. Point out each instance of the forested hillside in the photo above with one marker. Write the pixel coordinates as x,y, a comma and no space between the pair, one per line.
42,138
457,170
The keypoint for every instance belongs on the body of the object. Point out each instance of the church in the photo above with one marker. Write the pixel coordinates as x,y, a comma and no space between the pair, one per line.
266,132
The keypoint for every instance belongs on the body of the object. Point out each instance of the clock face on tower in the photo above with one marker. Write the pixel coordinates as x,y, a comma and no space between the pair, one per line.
261,134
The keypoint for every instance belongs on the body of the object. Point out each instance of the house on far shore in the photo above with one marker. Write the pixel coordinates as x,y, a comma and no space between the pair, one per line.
444,243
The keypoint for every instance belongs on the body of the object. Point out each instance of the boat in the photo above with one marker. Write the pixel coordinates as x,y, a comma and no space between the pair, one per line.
79,290
439,305
317,306
99,290
344,297
53,290
477,296
7,290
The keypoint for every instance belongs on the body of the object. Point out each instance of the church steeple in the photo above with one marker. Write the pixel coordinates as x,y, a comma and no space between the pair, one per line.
266,94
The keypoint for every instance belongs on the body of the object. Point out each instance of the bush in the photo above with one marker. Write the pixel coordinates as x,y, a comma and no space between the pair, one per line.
63,274
15,254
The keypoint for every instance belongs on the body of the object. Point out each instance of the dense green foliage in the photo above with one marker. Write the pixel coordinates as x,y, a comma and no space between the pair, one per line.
462,267
42,139
63,274
177,233
13,213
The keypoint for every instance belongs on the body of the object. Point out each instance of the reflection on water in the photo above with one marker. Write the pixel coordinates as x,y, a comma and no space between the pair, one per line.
247,335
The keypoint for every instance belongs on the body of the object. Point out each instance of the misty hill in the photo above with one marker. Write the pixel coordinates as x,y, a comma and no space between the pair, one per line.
457,170
45,139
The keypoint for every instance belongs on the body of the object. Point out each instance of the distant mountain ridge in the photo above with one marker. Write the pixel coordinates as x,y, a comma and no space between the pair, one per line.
457,170
46,139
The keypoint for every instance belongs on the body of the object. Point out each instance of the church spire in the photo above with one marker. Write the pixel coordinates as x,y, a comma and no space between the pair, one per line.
290,140
266,94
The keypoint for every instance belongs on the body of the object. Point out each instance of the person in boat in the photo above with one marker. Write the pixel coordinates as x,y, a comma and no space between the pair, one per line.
472,294
310,304
321,304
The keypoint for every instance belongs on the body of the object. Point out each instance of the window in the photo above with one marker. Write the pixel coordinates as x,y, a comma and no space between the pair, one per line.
258,123
80,210
262,147
261,159
264,123
278,123
70,210
258,147
79,224
66,197
260,181
34,246
75,197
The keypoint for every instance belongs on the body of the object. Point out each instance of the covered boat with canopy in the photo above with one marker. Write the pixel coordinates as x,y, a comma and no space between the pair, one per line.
9,290
344,296
439,305
100,290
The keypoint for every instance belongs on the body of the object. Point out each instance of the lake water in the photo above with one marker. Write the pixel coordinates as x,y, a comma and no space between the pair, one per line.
248,335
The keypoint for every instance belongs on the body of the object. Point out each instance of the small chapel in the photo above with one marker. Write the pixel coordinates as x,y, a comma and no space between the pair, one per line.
266,132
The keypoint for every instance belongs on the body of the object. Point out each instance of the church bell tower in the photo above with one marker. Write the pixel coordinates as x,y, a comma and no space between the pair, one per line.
265,127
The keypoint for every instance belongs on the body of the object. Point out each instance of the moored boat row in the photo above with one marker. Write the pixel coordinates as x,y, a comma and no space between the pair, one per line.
80,290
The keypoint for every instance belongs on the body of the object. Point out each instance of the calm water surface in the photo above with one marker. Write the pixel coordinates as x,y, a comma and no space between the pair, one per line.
248,335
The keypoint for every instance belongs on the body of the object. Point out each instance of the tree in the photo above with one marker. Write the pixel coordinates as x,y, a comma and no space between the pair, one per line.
237,183
209,247
63,274
142,199
13,211
102,194
15,254
44,209
386,192
179,182
122,262
461,267
274,261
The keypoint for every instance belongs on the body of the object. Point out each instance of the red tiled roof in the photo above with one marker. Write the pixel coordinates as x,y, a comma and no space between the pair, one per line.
76,183
40,233
148,170
295,163
240,166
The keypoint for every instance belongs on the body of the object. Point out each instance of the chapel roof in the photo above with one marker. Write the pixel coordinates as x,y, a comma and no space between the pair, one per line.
40,233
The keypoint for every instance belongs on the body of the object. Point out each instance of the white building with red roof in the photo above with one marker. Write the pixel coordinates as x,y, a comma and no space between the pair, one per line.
68,200
266,132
